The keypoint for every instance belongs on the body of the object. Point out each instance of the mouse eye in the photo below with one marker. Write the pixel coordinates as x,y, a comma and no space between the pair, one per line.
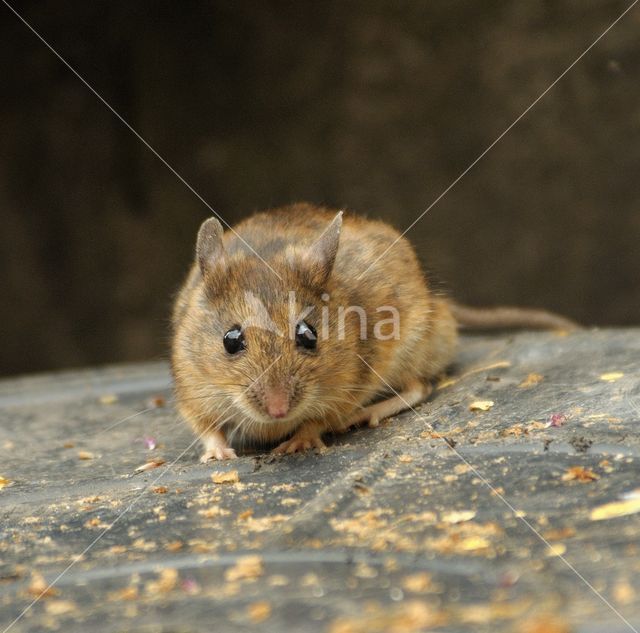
233,340
306,336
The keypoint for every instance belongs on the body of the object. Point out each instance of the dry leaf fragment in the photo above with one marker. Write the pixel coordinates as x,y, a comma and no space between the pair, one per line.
611,376
225,477
259,611
616,509
531,380
161,490
579,473
5,483
243,516
247,568
150,465
481,405
85,455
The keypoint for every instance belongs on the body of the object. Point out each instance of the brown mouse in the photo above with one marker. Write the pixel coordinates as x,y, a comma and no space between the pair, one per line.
302,339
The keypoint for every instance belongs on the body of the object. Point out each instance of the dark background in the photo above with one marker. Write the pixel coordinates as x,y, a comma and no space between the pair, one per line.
375,106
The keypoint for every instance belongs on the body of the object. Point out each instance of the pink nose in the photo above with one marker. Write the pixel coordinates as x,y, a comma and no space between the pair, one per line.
276,402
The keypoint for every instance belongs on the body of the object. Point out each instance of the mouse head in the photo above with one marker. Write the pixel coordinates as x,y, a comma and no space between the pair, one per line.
266,341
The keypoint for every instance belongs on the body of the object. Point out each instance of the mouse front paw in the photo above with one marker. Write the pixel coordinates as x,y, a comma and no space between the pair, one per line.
219,453
216,447
302,440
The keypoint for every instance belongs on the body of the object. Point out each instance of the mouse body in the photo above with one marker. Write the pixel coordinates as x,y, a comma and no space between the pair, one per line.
288,327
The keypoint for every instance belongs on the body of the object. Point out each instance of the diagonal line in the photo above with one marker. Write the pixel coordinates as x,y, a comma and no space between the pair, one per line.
506,131
117,519
517,514
139,136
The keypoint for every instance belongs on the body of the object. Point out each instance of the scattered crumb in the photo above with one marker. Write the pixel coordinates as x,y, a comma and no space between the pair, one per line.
458,516
557,549
165,582
213,511
5,483
290,501
60,607
278,580
150,465
243,516
489,612
85,455
557,419
559,534
108,398
259,611
225,477
39,587
410,617
481,405
150,442
190,586
161,490
174,546
156,401
420,582
611,376
127,593
546,624
579,473
247,568
531,380
615,509
624,593
405,459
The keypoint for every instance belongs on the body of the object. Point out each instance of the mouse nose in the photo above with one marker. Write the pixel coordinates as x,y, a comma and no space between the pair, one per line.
276,401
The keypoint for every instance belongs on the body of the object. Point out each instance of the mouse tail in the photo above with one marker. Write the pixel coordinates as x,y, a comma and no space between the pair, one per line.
507,318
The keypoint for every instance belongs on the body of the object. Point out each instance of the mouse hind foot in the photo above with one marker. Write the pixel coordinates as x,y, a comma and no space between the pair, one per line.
308,436
413,394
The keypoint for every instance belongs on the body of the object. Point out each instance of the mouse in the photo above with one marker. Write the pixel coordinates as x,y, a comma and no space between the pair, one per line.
291,325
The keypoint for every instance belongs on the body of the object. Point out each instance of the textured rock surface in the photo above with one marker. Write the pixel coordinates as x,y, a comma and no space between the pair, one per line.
443,518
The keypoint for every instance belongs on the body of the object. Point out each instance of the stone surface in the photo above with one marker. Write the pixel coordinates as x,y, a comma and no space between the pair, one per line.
446,518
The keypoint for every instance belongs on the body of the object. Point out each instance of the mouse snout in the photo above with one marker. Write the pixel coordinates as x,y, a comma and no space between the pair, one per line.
276,401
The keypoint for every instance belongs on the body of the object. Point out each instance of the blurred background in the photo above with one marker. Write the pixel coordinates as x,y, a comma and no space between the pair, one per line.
372,105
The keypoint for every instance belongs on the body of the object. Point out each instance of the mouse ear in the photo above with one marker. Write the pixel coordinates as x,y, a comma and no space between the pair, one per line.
209,248
321,256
